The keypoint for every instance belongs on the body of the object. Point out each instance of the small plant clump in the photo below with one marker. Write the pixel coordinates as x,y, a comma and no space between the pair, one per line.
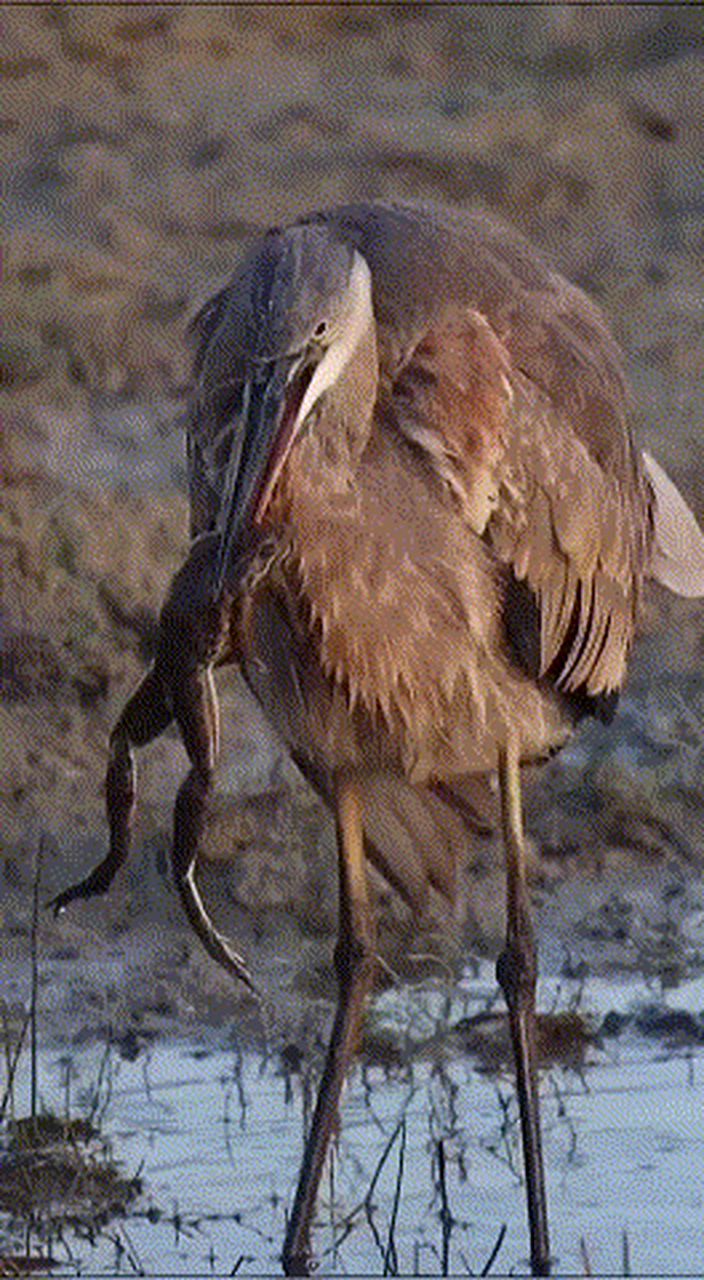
61,1170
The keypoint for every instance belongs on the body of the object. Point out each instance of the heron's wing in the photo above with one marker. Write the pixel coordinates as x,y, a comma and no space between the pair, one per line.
566,511
506,376
578,533
581,520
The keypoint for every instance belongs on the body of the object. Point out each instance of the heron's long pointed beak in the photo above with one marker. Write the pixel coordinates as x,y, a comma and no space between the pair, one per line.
271,400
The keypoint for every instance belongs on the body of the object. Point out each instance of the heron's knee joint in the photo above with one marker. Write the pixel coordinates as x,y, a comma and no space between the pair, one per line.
351,957
517,971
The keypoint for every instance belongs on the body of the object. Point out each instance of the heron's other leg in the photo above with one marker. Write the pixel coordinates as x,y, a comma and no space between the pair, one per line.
517,973
196,709
146,715
354,962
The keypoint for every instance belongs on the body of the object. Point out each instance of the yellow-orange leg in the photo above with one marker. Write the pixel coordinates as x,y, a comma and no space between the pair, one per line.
354,962
517,974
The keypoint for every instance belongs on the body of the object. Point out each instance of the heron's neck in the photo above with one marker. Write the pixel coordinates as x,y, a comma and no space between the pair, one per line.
344,423
319,474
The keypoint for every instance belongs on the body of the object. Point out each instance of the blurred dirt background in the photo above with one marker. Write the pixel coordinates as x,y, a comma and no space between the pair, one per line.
140,147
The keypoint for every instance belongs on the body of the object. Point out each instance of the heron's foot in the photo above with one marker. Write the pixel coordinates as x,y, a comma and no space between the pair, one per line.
300,1265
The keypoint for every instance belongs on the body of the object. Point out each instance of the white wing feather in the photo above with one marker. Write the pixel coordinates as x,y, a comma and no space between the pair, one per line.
678,549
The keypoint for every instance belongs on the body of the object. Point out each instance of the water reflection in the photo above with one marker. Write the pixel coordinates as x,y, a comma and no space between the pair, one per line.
425,1175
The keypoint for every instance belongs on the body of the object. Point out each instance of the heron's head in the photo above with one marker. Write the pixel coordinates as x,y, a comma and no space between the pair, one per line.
297,324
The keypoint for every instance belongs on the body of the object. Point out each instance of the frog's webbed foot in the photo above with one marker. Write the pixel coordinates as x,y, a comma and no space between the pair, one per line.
196,710
146,716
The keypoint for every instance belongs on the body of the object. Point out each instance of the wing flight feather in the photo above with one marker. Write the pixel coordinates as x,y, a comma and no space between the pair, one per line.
575,526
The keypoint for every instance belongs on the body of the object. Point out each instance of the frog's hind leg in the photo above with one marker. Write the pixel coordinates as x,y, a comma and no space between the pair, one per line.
147,714
196,709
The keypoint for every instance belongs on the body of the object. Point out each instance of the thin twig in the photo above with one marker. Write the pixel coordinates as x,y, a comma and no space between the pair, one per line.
382,1161
445,1215
34,936
367,1202
492,1256
391,1258
12,1060
100,1101
585,1256
625,1254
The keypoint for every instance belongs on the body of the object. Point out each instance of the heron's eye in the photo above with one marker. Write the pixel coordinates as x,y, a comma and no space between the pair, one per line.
320,330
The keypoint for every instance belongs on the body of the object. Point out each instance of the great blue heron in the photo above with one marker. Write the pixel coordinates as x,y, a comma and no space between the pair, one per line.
421,527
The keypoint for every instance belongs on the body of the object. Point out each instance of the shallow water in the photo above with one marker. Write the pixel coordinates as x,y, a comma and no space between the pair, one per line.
215,1133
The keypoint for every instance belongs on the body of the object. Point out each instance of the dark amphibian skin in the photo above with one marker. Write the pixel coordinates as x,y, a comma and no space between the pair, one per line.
195,634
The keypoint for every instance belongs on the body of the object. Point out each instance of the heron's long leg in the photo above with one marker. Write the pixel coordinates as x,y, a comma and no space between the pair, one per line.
517,974
147,714
354,962
196,709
